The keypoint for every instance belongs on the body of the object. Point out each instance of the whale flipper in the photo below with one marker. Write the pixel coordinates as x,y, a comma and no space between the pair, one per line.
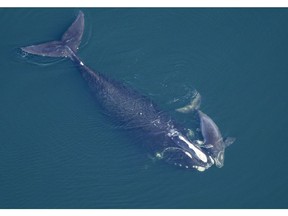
228,141
70,39
194,104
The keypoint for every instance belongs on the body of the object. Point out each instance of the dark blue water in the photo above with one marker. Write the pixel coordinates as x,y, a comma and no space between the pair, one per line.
58,151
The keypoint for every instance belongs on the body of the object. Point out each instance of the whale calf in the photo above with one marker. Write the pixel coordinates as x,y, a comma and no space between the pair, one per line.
213,140
168,139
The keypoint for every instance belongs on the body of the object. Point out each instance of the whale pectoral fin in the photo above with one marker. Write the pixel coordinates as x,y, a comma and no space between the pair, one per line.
194,105
228,141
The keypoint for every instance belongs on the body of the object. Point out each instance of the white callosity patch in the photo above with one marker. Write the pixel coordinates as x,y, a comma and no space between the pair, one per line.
178,164
159,155
212,160
199,168
198,152
173,133
199,142
188,154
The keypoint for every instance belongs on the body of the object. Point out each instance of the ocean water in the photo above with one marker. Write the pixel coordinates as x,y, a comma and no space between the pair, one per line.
58,151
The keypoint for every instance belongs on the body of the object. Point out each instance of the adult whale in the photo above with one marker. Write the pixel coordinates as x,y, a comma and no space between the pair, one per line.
169,140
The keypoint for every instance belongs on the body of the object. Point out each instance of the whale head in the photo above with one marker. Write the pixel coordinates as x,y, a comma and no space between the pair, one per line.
185,153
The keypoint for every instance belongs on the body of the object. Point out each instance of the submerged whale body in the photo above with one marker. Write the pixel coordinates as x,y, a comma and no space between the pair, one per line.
125,104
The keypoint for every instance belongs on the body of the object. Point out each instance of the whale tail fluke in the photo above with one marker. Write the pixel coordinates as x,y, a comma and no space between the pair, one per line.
71,39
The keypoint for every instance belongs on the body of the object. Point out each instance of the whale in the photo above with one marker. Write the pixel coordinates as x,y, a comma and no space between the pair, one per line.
213,139
168,140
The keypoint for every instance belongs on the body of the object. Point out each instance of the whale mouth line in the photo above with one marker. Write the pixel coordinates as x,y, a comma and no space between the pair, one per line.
184,157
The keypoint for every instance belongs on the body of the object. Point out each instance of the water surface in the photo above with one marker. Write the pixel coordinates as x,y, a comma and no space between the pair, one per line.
58,151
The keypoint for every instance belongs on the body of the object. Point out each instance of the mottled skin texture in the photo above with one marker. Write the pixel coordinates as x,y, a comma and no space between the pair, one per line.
138,112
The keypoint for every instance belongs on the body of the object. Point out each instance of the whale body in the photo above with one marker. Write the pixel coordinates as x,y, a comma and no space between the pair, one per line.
128,106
